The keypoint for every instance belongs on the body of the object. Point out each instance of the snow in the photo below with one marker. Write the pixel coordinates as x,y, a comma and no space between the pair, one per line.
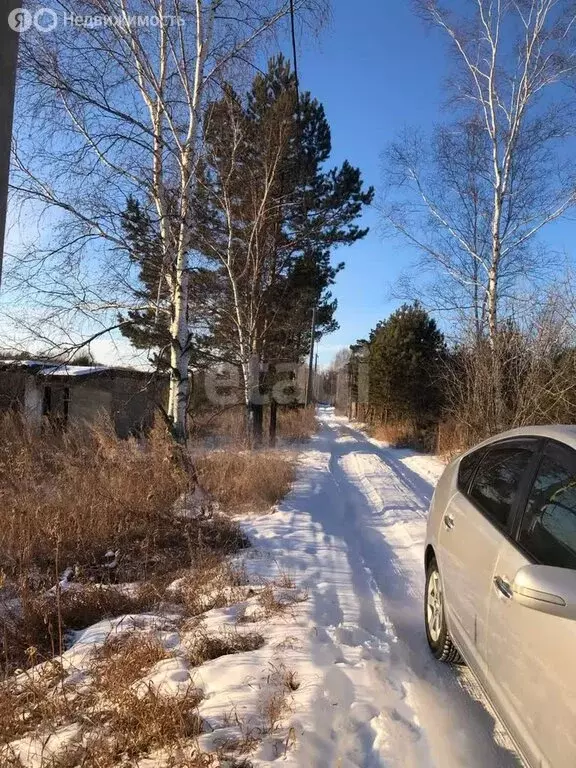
57,369
345,551
73,370
352,533
169,677
36,752
85,642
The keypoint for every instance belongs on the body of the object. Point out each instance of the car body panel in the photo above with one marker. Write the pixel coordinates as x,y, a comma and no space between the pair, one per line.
469,552
523,659
533,682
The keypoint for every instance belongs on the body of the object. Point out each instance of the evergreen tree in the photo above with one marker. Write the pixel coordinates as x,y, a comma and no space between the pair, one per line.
318,209
147,326
405,355
309,211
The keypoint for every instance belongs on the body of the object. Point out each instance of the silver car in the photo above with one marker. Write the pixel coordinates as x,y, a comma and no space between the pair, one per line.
500,594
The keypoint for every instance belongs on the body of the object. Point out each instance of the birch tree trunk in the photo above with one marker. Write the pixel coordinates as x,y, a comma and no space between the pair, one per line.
486,185
127,102
179,355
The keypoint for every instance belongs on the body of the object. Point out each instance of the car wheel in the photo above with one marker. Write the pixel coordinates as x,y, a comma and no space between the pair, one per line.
437,633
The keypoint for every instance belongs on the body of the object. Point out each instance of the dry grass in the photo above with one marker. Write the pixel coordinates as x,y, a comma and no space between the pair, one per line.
405,434
125,658
67,500
211,584
285,580
119,721
25,702
275,704
222,427
69,497
297,424
141,723
35,630
207,646
137,721
394,434
134,725
451,440
275,601
445,438
241,480
228,427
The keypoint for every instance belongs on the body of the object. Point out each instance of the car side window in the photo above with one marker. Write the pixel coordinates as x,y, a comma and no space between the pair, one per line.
498,480
548,528
466,469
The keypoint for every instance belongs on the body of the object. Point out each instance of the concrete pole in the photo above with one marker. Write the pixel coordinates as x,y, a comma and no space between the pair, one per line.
8,60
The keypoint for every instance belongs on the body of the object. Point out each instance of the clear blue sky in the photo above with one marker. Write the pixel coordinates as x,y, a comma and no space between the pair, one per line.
375,68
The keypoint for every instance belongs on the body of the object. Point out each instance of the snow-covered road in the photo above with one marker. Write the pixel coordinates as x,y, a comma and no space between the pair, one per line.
352,532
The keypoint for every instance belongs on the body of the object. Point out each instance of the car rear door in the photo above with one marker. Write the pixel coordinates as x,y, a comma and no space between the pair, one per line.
531,671
475,523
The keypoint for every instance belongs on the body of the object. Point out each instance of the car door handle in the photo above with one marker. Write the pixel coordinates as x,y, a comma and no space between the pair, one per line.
449,522
503,587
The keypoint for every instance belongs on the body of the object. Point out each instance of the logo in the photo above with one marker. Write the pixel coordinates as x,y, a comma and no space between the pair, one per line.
20,20
45,20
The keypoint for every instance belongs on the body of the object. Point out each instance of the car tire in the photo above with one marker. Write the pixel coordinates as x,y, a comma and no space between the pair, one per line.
437,632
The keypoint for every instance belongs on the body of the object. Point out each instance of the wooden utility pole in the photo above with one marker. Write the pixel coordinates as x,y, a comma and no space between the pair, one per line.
8,61
310,382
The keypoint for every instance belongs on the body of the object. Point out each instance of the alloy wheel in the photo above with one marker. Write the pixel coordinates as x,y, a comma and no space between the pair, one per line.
434,607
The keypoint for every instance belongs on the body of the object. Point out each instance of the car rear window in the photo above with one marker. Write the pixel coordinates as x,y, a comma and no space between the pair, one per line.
467,468
498,479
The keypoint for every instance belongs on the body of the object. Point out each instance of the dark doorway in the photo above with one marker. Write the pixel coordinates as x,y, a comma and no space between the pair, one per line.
47,401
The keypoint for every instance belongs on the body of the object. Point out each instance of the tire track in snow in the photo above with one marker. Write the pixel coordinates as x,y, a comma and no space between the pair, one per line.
419,713
362,719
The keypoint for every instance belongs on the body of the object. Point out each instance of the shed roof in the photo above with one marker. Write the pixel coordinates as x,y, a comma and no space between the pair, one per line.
65,371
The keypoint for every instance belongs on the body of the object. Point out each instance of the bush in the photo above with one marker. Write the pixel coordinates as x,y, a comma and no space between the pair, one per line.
405,434
526,378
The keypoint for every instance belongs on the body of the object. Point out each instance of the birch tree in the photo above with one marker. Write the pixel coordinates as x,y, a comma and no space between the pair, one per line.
474,199
116,93
267,216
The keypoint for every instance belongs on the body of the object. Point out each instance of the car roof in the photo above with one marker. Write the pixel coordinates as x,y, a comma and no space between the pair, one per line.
563,433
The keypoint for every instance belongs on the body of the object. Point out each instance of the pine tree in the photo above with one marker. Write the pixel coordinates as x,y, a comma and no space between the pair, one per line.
406,351
147,326
310,210
264,261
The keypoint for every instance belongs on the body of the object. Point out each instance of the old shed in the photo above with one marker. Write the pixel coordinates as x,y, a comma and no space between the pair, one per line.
75,393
